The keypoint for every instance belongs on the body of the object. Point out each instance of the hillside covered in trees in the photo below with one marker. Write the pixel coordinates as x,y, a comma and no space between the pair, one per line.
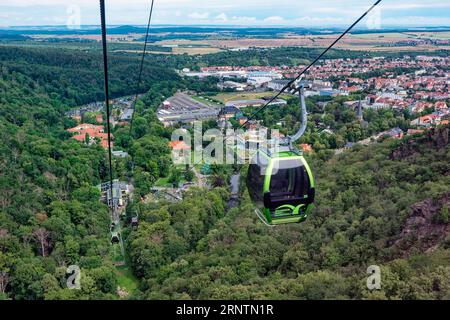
366,201
50,213
385,204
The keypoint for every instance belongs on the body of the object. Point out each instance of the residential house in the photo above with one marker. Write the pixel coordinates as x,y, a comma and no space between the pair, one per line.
89,133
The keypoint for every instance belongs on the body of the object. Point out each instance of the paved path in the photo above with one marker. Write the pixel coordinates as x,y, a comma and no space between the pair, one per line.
201,179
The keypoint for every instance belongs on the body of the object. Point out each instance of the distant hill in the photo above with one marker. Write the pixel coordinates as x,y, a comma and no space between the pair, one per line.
207,29
13,37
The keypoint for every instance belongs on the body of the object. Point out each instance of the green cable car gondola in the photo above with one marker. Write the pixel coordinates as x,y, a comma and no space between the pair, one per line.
281,186
281,183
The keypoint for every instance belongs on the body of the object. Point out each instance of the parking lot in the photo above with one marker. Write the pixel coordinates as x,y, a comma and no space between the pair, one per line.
183,108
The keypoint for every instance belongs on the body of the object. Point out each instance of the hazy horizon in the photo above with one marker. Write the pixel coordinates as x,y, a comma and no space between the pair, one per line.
62,27
249,13
85,26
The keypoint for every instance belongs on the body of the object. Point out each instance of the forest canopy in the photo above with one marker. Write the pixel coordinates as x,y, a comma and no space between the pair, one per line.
200,248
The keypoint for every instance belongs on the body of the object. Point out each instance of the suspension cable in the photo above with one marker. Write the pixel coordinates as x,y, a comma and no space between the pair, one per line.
141,66
108,112
291,82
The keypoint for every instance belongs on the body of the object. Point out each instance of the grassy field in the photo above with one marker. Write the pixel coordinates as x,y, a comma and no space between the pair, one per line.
231,96
177,50
126,279
188,51
163,182
384,35
204,100
430,35
195,50
425,48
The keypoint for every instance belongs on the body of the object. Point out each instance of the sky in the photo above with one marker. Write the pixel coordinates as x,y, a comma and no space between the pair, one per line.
304,13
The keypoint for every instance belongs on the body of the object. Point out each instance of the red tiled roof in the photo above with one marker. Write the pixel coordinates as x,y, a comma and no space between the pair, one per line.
99,118
104,144
80,137
91,130
178,145
84,126
306,147
414,131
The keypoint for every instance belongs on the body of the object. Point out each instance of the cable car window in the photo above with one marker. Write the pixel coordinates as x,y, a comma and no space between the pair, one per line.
256,176
289,180
255,182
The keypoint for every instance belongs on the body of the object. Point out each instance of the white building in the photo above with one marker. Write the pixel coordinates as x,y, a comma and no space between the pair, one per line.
258,81
277,85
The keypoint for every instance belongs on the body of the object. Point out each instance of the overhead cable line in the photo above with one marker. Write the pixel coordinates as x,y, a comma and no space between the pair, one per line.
108,111
141,65
291,82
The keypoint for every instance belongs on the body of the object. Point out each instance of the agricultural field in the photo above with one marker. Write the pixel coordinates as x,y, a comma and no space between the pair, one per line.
192,50
370,41
209,43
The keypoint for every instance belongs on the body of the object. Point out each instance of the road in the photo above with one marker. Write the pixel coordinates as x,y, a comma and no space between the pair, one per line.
365,142
234,184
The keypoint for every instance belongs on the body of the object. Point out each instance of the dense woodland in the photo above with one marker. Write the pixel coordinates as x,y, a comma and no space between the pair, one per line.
51,217
59,72
363,202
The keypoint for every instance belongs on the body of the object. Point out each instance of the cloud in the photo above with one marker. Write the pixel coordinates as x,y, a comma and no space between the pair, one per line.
198,15
243,20
416,21
237,12
274,19
319,19
222,17
410,6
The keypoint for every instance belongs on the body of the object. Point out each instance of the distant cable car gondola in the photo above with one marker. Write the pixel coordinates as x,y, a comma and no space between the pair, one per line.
281,183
